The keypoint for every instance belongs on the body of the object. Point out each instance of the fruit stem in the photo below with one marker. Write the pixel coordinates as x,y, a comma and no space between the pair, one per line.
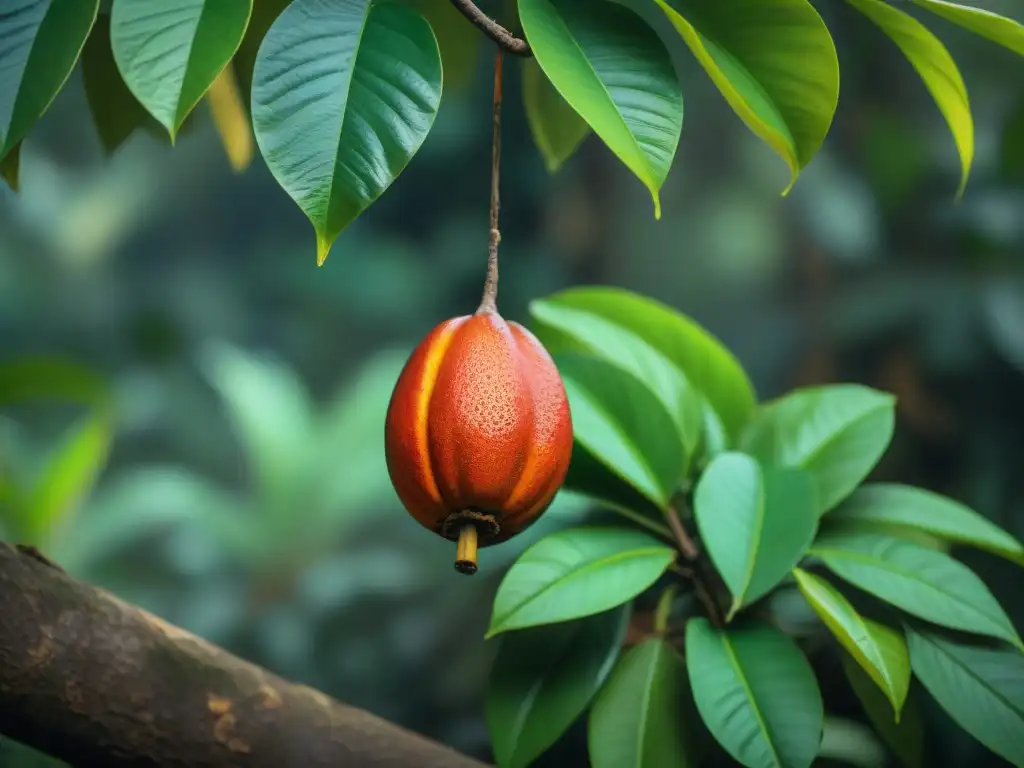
489,302
465,550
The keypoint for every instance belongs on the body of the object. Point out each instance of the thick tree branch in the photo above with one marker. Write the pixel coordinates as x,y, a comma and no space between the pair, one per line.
97,682
505,39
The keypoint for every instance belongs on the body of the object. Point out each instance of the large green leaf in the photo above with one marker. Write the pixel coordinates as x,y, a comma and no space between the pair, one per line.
997,28
343,95
577,572
542,680
40,41
66,476
755,522
981,688
702,358
905,505
638,719
921,581
616,74
838,432
600,337
757,694
624,425
881,650
169,54
116,112
904,739
936,68
774,62
556,128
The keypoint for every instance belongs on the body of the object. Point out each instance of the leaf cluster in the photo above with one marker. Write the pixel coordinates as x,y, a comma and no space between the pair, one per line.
339,96
725,502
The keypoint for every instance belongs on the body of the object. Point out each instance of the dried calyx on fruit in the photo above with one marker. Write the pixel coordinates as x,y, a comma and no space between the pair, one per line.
478,434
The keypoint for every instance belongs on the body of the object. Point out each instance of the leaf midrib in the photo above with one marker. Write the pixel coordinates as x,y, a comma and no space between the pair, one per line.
344,114
636,144
645,707
575,572
756,544
820,448
761,724
878,662
970,673
899,571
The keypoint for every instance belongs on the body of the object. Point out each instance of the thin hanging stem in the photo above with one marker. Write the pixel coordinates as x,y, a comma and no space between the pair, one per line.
489,302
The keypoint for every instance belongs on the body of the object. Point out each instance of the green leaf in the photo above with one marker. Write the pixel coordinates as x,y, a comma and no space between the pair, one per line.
542,680
638,718
599,337
904,739
116,112
981,688
936,68
343,96
623,424
66,477
270,411
10,168
615,72
774,62
881,650
756,523
577,572
458,40
170,54
921,581
556,128
904,505
41,41
837,432
702,358
999,29
757,694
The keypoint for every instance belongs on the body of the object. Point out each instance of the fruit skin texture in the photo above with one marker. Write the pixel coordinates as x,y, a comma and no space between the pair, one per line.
478,428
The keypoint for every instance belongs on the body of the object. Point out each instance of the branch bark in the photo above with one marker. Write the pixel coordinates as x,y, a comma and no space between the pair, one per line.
505,39
95,681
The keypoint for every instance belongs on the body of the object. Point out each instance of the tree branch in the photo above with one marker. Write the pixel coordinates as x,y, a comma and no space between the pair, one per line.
98,682
505,39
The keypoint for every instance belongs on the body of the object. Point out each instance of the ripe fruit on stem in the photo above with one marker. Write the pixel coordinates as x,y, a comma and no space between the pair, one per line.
478,434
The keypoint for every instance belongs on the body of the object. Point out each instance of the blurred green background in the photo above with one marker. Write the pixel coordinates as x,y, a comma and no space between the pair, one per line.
246,496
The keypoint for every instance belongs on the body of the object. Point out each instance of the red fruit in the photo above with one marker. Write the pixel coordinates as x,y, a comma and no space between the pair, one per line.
478,434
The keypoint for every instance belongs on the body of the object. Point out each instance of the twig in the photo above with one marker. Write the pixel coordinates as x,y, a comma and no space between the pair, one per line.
689,549
489,302
505,39
686,544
